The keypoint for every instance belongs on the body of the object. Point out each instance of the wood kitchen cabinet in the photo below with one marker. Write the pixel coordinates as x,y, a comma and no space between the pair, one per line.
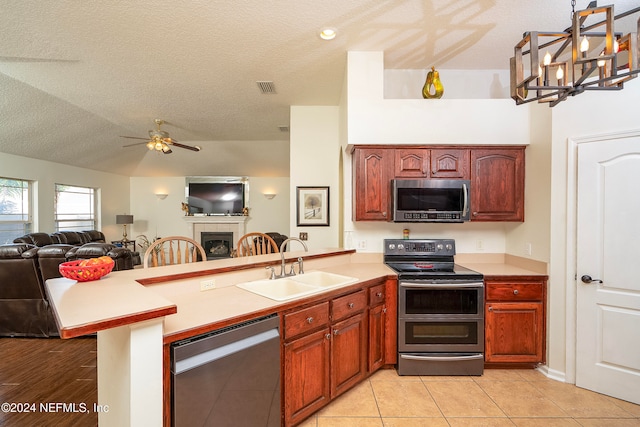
411,162
497,184
450,163
333,345
515,320
496,174
373,170
323,364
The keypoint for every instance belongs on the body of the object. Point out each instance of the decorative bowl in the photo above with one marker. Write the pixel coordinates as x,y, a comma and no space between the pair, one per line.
73,270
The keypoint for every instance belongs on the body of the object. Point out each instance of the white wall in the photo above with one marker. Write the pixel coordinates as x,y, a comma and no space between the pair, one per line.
458,84
315,161
372,119
161,218
589,114
113,190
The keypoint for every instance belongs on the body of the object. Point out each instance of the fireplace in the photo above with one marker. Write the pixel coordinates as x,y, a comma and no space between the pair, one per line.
217,244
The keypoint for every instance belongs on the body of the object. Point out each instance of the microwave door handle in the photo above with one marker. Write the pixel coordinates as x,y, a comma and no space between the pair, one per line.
465,193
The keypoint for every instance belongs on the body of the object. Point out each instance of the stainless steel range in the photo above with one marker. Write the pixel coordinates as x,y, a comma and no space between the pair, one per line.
440,309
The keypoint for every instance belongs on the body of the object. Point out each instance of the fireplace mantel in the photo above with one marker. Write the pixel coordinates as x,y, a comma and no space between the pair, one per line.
235,224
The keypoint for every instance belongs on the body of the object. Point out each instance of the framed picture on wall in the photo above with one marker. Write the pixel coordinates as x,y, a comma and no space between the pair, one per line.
312,206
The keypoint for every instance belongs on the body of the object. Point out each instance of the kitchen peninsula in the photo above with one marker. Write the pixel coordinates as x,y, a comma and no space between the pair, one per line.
138,313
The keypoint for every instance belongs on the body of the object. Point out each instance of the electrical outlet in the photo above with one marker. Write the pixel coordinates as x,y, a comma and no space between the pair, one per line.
304,235
362,244
527,248
206,285
479,245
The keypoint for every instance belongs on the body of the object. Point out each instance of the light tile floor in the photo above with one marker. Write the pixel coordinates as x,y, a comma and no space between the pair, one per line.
498,398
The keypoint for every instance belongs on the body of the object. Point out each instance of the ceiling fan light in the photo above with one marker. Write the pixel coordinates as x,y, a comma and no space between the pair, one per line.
158,145
151,145
165,148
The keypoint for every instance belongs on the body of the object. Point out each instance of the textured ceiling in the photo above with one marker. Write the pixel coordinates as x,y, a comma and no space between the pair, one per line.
75,75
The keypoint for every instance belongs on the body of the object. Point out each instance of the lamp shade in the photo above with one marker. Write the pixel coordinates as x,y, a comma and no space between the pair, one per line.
124,219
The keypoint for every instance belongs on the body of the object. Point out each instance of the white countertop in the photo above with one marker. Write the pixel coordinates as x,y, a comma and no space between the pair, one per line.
119,298
130,296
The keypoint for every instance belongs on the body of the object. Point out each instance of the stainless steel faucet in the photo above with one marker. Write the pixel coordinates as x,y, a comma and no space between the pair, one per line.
283,272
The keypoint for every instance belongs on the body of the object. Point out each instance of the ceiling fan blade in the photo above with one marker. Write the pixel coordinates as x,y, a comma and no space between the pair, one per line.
168,151
131,145
188,147
133,137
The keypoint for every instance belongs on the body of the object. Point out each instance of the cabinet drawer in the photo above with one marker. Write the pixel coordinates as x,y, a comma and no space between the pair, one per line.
514,291
305,320
347,305
376,295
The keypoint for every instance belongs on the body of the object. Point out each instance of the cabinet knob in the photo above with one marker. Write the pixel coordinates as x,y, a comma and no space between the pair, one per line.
350,305
490,308
384,310
515,292
335,332
309,319
379,294
384,214
475,213
328,336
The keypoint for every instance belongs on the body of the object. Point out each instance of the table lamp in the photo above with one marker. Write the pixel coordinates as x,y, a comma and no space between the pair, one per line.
124,220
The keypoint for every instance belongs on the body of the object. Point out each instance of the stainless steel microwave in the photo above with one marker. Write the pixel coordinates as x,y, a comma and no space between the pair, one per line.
430,200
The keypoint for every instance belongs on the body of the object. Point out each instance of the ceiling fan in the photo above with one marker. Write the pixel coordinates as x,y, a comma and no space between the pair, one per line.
160,140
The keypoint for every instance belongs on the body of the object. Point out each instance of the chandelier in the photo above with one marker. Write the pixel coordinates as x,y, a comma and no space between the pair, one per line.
576,59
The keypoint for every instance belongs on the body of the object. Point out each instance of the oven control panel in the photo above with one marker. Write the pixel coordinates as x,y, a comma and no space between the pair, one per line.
445,247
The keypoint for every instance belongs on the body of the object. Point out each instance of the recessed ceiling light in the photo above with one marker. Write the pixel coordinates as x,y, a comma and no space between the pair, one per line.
328,34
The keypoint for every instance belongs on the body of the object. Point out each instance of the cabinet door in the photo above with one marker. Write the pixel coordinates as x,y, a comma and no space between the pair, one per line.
497,184
306,375
514,332
450,163
372,176
411,163
376,337
348,354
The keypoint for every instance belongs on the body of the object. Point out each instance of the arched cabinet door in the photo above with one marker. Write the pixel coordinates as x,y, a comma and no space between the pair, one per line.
373,168
497,184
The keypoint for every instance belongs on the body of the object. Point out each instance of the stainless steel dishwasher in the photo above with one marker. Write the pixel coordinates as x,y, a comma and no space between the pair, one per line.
228,377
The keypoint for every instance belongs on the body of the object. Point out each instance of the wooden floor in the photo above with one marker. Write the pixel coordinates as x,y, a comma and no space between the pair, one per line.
48,382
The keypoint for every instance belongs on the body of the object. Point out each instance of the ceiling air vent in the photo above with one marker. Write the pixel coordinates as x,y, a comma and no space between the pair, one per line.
267,87
283,128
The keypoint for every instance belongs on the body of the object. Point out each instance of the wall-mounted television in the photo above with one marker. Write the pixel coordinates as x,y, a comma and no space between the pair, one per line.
211,196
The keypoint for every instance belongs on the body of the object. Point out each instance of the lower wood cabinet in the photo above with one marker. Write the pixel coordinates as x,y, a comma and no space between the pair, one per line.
331,346
515,324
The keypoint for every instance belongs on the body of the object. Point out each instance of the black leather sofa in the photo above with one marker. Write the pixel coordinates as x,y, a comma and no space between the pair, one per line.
29,262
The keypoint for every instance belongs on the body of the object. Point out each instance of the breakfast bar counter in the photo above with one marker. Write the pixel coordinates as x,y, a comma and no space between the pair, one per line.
135,312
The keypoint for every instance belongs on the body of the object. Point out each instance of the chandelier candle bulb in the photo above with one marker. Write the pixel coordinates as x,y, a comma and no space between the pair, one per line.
560,76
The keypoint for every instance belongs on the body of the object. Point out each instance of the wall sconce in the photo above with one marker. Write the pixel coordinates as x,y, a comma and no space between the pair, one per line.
269,195
161,196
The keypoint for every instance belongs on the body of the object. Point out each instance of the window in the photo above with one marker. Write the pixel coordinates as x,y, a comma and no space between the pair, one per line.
15,209
75,208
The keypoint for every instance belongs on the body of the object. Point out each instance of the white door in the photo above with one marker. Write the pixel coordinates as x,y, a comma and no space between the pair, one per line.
608,249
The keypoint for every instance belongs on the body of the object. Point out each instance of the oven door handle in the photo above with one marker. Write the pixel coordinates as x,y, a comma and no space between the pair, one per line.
442,358
465,195
441,285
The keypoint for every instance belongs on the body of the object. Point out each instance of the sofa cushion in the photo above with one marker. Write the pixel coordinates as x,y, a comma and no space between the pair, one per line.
37,239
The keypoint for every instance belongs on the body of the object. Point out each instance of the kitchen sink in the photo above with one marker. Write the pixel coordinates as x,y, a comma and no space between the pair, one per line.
287,288
323,279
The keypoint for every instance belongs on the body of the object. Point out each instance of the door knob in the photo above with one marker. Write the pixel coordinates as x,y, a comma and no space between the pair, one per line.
587,279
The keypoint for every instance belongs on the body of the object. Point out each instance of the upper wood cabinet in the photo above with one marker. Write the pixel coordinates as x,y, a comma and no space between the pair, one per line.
372,173
496,174
411,163
431,163
450,163
497,184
